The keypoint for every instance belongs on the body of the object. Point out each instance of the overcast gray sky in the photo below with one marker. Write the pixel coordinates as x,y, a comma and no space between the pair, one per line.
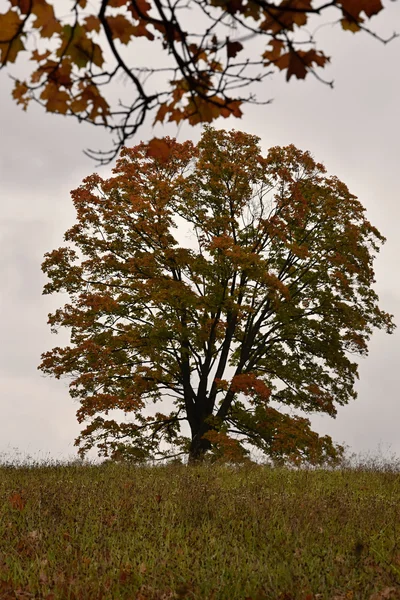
353,129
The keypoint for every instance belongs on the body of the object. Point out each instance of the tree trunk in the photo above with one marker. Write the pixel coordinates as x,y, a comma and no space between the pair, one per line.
198,448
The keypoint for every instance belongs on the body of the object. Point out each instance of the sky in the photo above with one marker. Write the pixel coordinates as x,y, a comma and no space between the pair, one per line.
354,129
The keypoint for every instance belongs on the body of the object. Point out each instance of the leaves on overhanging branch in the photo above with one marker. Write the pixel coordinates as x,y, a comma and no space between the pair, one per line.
205,47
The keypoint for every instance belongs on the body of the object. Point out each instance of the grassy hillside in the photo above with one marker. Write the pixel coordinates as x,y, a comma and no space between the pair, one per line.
116,531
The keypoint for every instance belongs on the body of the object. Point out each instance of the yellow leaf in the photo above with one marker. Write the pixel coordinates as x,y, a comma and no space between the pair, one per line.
350,25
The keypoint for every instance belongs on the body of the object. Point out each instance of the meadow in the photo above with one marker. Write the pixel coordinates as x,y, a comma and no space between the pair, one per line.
119,531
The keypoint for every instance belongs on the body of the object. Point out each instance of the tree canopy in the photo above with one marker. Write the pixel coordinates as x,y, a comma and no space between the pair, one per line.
205,53
227,282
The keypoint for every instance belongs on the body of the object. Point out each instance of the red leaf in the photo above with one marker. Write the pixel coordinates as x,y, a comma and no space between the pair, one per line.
23,5
355,7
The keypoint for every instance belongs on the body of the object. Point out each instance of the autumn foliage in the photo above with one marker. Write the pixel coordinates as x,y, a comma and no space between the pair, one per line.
205,55
228,283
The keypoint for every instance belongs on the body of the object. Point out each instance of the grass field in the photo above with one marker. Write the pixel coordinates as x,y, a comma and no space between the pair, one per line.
116,531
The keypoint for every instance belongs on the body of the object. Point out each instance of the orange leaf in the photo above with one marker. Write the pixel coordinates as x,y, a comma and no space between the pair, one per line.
141,7
57,100
58,103
274,54
19,91
283,61
312,56
9,25
158,148
161,113
233,108
196,52
17,501
49,65
92,23
121,28
117,3
299,18
39,57
141,31
45,19
79,104
91,95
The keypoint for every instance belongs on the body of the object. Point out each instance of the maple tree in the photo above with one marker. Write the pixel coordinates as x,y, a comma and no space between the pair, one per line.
205,48
261,308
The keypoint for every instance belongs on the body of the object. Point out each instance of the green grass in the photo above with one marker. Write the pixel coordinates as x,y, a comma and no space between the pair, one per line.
116,531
